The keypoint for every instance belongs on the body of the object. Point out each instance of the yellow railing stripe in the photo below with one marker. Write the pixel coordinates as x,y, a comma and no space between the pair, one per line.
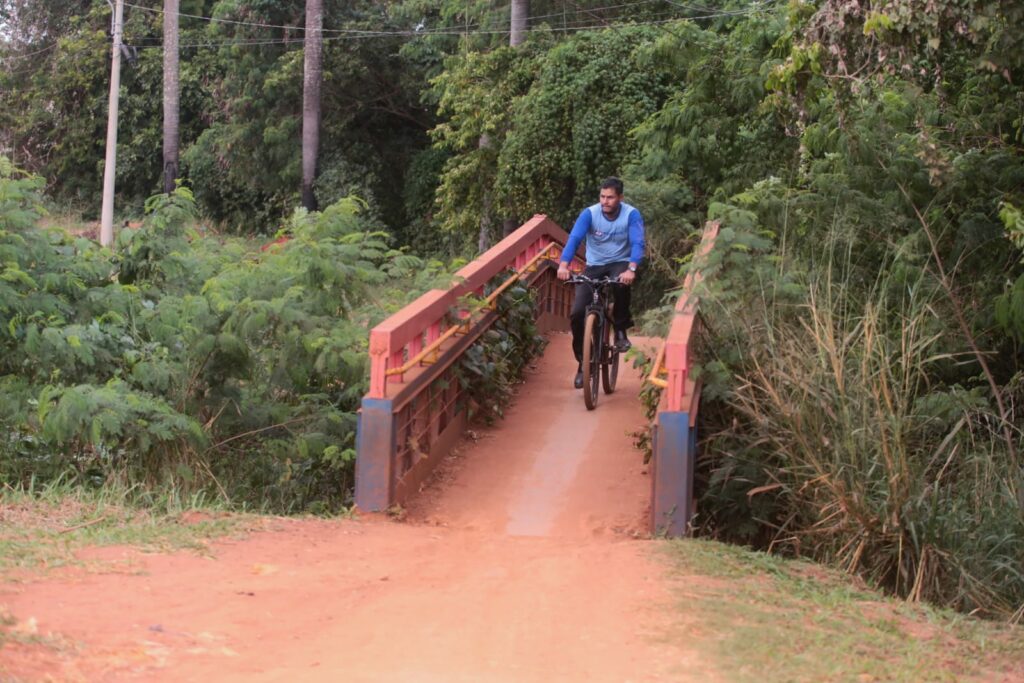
454,329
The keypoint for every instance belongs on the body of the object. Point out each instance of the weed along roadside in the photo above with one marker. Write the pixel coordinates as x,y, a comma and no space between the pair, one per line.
44,529
848,450
770,619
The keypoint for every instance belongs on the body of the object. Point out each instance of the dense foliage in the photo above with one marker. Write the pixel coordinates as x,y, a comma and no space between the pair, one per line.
490,369
193,360
241,99
241,103
557,118
862,365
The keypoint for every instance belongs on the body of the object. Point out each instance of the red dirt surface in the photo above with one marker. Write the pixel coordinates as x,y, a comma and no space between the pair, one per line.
518,562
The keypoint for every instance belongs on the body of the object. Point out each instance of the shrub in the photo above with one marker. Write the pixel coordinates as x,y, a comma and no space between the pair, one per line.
830,430
194,361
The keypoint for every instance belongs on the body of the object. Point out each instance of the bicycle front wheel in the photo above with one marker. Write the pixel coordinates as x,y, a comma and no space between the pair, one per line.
591,360
610,368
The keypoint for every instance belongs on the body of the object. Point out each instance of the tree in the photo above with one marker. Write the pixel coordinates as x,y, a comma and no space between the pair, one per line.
313,74
171,90
518,26
517,33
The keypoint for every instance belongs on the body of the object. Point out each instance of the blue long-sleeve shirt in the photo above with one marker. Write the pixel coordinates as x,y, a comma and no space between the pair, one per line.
608,241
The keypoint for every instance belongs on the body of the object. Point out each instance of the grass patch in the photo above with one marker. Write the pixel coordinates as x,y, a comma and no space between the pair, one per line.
43,528
771,619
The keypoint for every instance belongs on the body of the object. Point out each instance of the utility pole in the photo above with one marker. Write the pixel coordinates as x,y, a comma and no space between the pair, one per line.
107,216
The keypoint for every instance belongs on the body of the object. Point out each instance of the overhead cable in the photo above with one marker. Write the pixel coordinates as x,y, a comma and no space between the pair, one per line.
359,34
709,14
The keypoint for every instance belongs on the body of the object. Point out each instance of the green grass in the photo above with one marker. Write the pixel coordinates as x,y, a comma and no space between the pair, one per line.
42,528
769,619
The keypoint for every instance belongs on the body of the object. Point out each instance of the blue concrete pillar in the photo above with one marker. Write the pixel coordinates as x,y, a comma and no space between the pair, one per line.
375,455
674,447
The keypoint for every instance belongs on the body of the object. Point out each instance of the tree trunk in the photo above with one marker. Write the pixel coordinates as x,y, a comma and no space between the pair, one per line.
519,25
171,94
483,242
520,21
313,74
509,226
517,33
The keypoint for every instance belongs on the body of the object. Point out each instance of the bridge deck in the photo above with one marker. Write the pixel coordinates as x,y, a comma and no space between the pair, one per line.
551,467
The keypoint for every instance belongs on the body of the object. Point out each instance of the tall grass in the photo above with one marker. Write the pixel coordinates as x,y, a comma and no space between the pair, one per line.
833,432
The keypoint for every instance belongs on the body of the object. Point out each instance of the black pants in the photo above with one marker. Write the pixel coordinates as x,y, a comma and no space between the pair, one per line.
621,318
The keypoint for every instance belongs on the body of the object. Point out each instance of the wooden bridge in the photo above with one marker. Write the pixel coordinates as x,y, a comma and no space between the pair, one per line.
415,410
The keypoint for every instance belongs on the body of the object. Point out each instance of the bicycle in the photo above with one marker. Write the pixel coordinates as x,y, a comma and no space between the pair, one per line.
600,356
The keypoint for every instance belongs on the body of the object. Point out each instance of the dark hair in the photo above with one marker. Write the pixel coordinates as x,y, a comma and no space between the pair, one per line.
612,183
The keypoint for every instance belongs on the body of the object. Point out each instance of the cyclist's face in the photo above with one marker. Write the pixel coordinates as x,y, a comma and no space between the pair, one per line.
610,200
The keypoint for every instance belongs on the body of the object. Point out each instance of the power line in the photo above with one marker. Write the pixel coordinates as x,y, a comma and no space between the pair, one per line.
31,54
253,24
155,10
359,34
715,13
226,43
413,34
573,26
710,14
595,9
692,8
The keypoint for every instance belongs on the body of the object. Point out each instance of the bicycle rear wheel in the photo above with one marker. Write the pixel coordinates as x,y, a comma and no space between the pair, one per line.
591,360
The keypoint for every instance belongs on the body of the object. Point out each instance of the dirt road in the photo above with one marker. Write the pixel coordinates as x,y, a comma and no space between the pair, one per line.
519,562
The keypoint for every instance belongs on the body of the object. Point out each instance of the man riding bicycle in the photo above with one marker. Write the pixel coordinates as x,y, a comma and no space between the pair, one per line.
614,232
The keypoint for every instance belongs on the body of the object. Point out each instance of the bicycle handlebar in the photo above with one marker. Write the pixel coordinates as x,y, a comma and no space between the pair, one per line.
581,279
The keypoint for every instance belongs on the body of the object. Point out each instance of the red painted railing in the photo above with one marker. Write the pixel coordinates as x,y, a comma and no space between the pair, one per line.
422,323
678,343
675,425
416,406
674,359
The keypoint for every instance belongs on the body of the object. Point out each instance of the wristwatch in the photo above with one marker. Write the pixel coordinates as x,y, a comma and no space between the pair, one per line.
632,267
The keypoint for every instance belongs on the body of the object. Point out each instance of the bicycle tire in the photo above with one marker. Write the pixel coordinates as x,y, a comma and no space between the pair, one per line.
591,360
610,368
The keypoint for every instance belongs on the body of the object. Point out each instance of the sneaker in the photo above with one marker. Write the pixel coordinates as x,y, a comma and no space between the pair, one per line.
577,383
622,343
